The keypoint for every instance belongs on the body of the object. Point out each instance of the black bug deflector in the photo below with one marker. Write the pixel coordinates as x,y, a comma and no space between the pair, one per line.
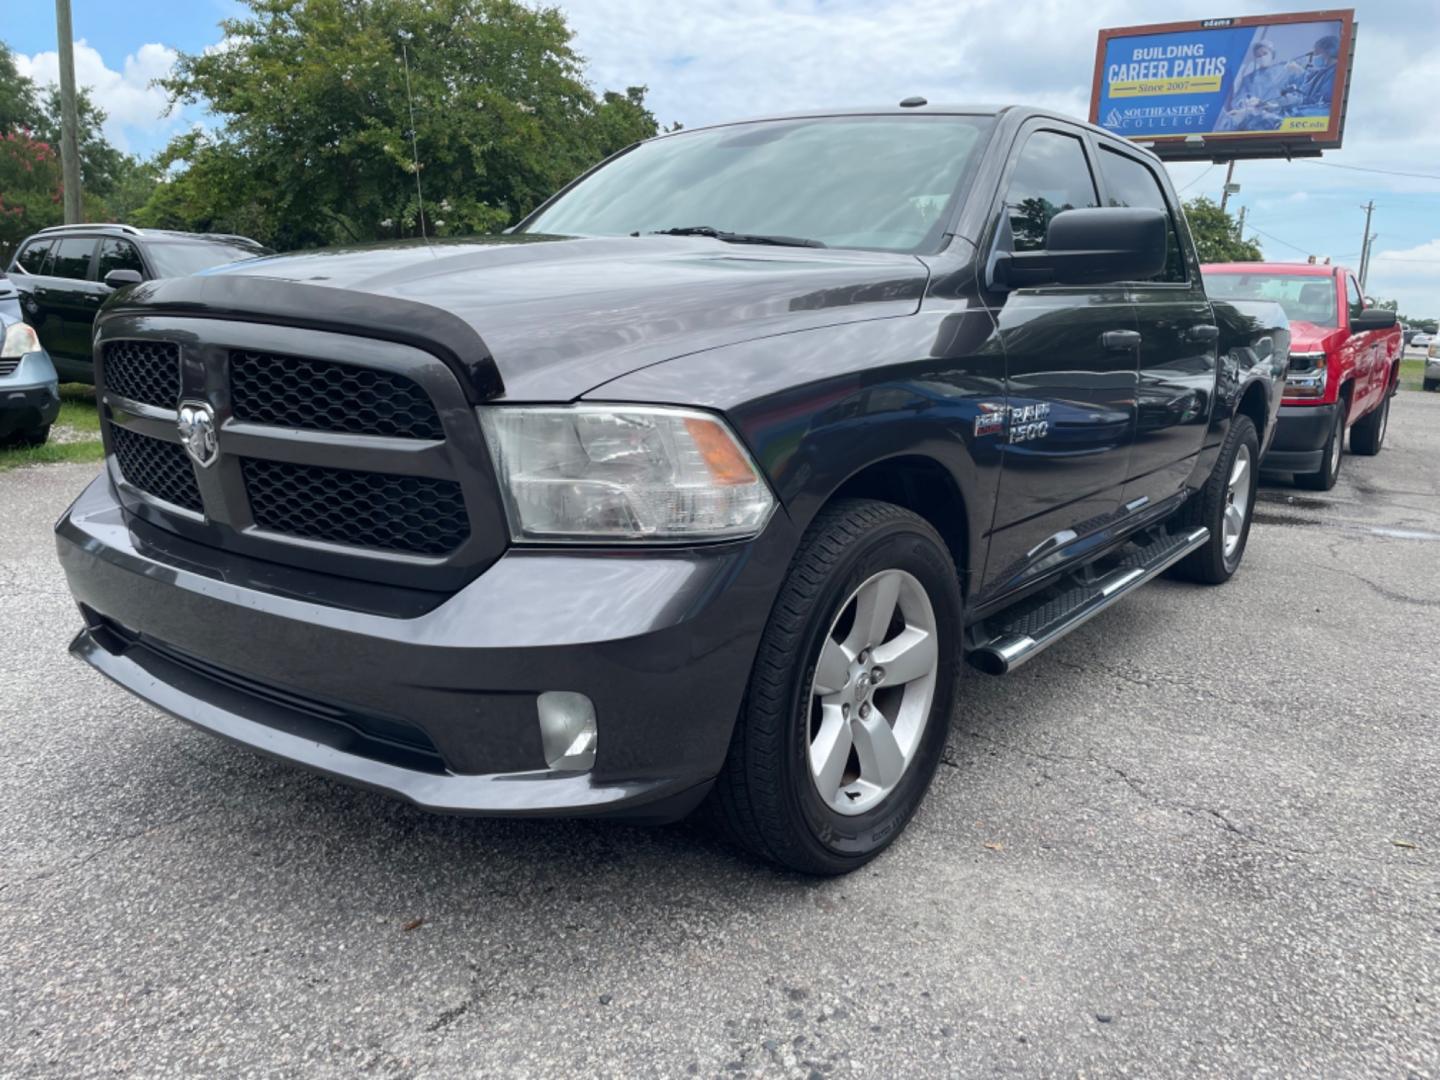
319,307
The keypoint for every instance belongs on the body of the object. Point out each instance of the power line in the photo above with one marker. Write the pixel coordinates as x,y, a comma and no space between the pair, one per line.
1197,179
1269,236
1367,169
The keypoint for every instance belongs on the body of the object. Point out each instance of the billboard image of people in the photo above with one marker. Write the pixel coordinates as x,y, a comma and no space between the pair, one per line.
1282,76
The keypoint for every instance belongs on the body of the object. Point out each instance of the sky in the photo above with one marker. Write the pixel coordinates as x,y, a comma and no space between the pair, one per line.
710,60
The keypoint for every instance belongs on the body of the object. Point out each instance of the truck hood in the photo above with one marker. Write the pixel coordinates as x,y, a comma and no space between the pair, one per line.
561,316
1310,337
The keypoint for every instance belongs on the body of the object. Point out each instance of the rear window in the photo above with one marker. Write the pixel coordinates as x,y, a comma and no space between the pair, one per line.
32,259
1305,297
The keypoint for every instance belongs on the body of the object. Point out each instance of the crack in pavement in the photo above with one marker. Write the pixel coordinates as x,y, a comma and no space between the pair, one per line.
1382,590
1136,785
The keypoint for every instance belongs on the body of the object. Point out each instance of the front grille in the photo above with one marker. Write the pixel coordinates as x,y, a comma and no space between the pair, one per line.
144,371
292,391
7,367
156,467
410,514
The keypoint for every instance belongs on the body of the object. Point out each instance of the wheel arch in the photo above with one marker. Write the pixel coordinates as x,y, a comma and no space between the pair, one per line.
1254,403
922,485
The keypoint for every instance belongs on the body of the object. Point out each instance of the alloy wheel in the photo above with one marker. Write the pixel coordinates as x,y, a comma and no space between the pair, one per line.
1237,501
873,689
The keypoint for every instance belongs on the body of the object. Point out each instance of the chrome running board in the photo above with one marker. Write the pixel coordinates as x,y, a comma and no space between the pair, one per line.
1023,632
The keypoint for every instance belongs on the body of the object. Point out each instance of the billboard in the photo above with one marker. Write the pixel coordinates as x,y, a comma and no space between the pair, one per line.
1258,86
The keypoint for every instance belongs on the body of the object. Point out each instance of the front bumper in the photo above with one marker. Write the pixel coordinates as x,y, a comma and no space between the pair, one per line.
1432,367
1300,435
436,705
29,396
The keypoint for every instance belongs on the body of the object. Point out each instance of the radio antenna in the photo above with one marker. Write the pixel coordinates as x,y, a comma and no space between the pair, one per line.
414,145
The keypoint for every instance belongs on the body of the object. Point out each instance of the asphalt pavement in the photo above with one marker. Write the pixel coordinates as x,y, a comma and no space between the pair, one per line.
1198,837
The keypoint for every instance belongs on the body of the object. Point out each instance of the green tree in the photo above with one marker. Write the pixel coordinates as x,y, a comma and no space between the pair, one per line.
30,192
18,108
1217,234
100,163
314,142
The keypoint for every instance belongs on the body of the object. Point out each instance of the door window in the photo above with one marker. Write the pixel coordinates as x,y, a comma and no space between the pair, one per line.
72,257
1129,182
118,255
1050,175
32,259
1353,298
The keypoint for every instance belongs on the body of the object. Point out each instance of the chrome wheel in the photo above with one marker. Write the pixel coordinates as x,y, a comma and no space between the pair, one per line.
873,687
1237,501
1337,449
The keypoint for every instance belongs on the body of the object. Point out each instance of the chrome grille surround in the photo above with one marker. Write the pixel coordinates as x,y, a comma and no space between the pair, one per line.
438,539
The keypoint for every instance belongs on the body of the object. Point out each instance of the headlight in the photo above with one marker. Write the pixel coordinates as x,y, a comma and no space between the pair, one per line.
19,340
1306,377
1434,350
621,472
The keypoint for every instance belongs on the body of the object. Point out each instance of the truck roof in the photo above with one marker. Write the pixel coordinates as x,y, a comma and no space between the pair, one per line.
1313,269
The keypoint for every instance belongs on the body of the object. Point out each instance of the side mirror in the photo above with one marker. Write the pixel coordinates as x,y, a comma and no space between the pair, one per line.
1090,247
1372,318
118,279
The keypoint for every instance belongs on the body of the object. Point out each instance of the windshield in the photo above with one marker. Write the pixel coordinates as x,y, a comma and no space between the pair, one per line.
1305,297
183,259
861,182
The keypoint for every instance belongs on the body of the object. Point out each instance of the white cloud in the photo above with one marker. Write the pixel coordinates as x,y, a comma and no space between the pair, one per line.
132,105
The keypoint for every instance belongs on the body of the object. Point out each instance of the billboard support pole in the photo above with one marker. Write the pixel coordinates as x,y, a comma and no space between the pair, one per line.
1225,191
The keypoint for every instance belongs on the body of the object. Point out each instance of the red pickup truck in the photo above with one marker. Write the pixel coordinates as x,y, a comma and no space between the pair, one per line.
1344,363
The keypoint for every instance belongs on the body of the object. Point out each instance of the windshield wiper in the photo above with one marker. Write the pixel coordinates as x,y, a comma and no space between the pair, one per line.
734,237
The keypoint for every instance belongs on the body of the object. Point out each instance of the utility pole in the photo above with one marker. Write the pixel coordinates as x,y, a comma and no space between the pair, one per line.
1225,191
69,115
1369,209
1365,263
1240,228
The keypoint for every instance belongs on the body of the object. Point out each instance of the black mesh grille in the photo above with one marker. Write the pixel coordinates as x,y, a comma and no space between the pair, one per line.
295,392
144,371
396,513
156,467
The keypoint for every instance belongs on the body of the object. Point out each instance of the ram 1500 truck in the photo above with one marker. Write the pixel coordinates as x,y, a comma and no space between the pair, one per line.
696,486
1344,363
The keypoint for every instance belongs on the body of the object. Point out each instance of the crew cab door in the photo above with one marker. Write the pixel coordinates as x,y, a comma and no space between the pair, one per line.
1070,372
1366,347
1177,352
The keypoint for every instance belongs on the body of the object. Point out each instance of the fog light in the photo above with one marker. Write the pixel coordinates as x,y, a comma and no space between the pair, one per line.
567,729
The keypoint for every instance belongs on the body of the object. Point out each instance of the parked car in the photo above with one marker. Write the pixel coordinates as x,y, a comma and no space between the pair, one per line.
1432,366
698,485
29,391
1421,341
64,273
1344,363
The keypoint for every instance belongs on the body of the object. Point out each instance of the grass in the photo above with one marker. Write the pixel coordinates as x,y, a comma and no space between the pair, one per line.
78,425
1412,372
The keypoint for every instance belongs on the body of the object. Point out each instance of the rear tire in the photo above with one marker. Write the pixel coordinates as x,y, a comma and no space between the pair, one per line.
1368,435
1226,506
808,783
1323,478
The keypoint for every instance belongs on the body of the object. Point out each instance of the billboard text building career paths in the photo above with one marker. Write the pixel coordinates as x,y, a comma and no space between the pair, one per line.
1247,86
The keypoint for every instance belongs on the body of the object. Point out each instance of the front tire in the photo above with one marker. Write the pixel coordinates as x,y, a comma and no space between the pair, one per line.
1323,478
1225,505
1368,435
849,701
1431,384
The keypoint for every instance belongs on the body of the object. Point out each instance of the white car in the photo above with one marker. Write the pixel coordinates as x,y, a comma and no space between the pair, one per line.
1421,341
1432,363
